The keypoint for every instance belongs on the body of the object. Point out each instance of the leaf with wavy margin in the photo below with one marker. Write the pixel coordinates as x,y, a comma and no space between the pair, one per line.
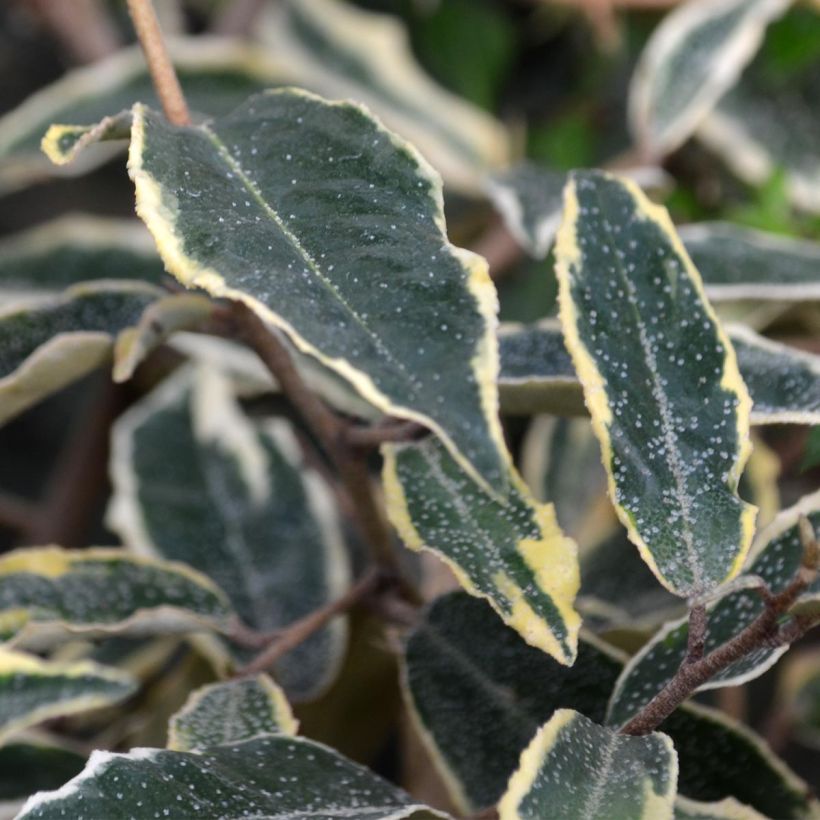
661,382
510,551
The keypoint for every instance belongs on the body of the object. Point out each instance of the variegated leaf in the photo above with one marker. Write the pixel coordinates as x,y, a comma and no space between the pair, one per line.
744,264
776,558
510,551
33,690
371,289
195,480
50,341
341,51
73,249
691,60
726,809
231,712
537,375
461,662
271,776
48,592
661,382
575,768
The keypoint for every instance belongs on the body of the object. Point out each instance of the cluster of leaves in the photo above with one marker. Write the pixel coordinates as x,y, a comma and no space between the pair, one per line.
305,199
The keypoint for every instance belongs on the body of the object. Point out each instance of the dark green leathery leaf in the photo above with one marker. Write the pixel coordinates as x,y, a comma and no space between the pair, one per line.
255,706
776,558
510,551
33,690
537,375
574,768
197,481
271,776
29,763
692,58
49,341
469,682
660,380
48,592
459,663
331,228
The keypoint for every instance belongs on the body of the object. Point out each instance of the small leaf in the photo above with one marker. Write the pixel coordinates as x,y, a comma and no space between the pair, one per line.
775,558
73,249
49,342
255,706
661,382
271,776
694,56
461,662
32,690
30,764
740,263
360,277
341,51
47,592
537,375
195,480
511,552
575,768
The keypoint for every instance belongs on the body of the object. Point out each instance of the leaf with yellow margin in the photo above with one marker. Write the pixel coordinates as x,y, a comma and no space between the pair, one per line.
255,705
660,380
575,768
510,551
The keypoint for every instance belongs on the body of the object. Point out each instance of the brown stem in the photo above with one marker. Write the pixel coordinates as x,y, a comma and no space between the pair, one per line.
159,62
698,624
763,631
390,431
299,631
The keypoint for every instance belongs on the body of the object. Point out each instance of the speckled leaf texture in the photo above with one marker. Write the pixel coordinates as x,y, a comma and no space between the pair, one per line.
331,228
537,375
47,592
50,341
574,768
741,263
276,777
33,690
510,551
461,662
229,712
776,558
660,380
694,56
196,481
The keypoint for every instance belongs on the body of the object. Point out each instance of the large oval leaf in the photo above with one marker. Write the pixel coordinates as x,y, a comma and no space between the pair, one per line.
511,551
196,481
574,768
331,228
661,382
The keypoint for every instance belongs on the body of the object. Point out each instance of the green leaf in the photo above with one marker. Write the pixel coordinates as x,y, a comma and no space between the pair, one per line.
340,51
537,375
76,248
575,768
726,809
30,764
740,263
776,557
811,457
798,696
694,56
47,593
195,480
765,126
510,551
661,382
229,712
270,776
48,342
32,690
460,664
273,206
478,694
